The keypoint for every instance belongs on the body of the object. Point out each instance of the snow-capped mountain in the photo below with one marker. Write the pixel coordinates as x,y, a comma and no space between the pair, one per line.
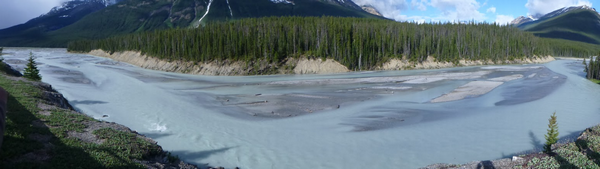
565,10
281,1
345,3
523,20
74,3
576,23
57,18
94,19
371,9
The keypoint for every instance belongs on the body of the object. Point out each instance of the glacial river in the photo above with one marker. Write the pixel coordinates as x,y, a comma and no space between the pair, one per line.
389,119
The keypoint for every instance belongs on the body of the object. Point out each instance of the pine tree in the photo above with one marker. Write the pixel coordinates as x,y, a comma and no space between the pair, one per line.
31,71
552,135
586,66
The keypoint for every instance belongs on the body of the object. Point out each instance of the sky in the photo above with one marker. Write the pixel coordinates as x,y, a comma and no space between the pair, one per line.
13,12
501,11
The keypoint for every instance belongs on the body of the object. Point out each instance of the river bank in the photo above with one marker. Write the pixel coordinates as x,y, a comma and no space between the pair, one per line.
290,66
190,115
583,152
43,130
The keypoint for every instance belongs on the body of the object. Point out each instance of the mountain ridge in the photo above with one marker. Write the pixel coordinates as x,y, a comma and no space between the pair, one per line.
130,16
577,23
531,18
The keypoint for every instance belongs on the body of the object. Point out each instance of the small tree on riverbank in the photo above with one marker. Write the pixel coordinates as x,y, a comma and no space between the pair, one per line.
31,71
552,135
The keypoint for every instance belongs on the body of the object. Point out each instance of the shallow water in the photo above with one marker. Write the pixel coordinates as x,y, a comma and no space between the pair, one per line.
384,120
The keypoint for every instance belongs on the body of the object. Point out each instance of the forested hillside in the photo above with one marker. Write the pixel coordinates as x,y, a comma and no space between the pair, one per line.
577,25
354,42
56,30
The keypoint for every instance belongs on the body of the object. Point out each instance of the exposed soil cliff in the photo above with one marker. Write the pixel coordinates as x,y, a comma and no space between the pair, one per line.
431,63
226,68
290,66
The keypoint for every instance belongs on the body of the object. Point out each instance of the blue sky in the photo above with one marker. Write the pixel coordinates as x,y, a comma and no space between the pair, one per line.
501,11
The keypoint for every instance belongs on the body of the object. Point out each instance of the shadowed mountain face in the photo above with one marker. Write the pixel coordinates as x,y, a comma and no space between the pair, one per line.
93,19
59,17
571,23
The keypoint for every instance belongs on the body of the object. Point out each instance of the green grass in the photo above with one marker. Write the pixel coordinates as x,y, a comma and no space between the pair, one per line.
595,81
118,150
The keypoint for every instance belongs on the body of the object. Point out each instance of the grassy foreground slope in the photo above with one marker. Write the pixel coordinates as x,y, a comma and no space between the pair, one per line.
42,131
356,43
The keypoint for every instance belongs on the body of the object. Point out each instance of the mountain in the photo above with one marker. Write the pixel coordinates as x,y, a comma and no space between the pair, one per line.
579,23
219,10
59,17
97,19
521,20
371,9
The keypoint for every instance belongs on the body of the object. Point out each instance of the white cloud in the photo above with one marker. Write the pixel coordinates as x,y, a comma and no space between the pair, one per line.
504,19
491,10
450,10
419,4
542,7
13,12
388,8
459,9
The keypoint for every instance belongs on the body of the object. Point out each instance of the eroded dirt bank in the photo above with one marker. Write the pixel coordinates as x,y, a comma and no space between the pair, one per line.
226,68
431,63
290,66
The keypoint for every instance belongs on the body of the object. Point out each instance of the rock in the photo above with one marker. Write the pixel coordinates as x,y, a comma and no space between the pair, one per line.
54,98
105,115
515,158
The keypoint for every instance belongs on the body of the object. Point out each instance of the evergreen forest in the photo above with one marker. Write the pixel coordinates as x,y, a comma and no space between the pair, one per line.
592,68
354,42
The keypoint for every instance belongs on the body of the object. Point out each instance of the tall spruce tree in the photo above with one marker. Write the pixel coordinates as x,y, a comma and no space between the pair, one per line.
31,71
552,135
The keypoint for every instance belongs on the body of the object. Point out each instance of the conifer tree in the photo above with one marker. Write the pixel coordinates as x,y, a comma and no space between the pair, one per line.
552,135
31,71
586,66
